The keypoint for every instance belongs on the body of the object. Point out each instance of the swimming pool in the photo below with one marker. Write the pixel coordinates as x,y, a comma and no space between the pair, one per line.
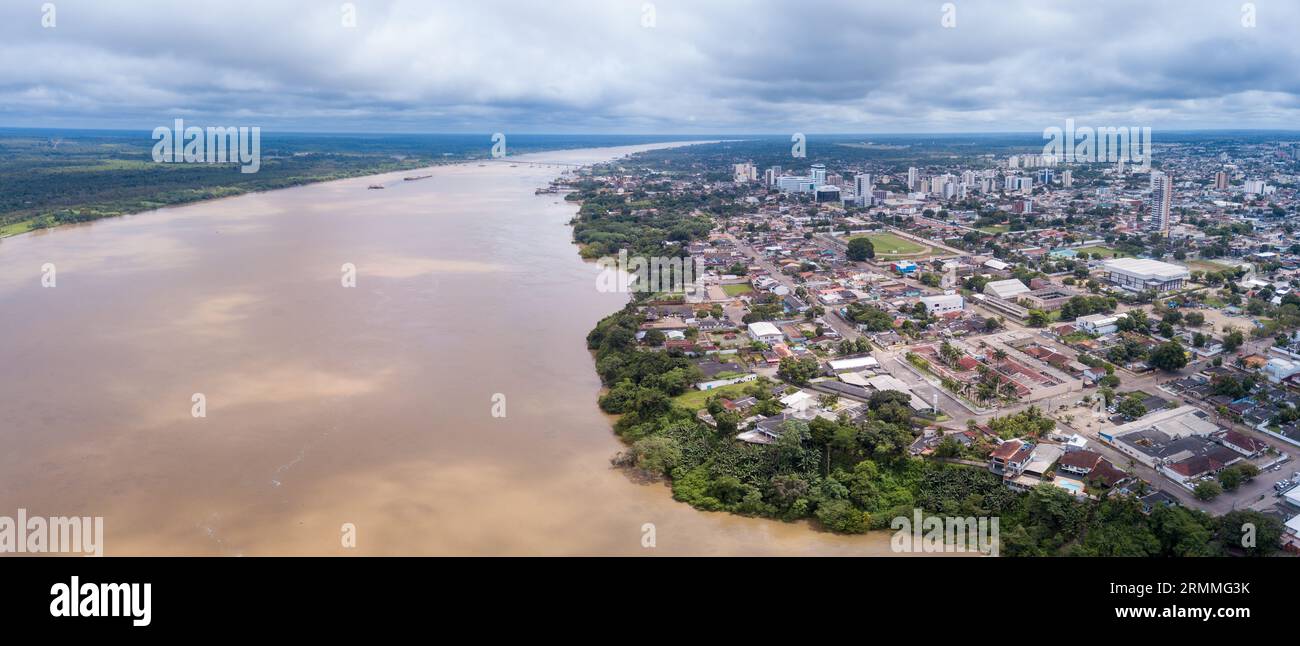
1073,486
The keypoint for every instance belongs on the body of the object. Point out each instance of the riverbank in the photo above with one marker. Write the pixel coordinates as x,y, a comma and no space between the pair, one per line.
326,405
51,178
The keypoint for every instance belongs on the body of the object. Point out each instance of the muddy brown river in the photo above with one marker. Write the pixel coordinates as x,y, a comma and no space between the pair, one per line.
325,405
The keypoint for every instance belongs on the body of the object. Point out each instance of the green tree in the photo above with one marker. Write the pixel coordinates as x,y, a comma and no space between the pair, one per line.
797,371
841,516
1233,340
656,454
1255,533
1169,357
1207,490
1131,407
860,248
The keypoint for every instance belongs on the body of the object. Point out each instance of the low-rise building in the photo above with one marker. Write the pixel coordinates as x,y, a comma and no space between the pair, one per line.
765,332
941,304
1142,274
1010,458
1099,324
1007,290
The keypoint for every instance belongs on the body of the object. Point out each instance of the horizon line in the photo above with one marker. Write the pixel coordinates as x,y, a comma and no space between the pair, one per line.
666,134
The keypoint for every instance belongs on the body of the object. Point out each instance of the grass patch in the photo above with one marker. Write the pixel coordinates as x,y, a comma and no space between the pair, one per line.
15,228
694,400
737,289
1104,251
995,229
1206,265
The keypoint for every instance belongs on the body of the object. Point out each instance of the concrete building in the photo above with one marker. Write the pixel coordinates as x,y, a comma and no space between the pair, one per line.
1099,324
765,332
941,304
1141,274
827,193
1278,369
1007,290
796,184
1049,299
1160,203
818,173
862,189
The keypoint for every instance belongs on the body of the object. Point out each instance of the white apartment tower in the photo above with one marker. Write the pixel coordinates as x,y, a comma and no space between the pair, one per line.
862,185
1160,203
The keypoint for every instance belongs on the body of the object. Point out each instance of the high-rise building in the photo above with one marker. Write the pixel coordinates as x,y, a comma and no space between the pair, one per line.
819,173
1160,203
862,185
1045,176
1220,181
911,178
745,173
796,184
1067,179
1255,186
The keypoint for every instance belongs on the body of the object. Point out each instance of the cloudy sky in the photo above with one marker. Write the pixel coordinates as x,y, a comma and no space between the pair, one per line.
667,66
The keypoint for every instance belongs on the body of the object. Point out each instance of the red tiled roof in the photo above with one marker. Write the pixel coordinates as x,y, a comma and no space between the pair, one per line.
1007,449
1080,460
1244,441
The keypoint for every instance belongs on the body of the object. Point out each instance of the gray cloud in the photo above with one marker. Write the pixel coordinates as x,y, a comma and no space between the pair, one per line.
710,67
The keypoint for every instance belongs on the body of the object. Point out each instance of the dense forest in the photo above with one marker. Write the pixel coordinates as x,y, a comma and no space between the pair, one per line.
52,177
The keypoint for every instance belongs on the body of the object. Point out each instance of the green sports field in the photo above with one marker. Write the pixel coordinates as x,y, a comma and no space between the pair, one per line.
888,244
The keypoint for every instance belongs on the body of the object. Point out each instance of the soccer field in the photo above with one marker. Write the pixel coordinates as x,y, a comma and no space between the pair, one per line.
1105,251
888,244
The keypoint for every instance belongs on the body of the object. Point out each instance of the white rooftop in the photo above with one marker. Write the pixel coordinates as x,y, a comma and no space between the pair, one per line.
763,328
1099,320
850,364
941,299
1005,289
1145,268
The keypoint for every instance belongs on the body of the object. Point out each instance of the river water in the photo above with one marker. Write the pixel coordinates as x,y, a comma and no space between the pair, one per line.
324,405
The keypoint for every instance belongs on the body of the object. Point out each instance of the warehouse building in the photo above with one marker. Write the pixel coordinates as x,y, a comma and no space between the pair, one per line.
1141,274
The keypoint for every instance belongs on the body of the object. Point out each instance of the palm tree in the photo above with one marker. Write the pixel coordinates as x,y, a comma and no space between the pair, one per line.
1009,390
